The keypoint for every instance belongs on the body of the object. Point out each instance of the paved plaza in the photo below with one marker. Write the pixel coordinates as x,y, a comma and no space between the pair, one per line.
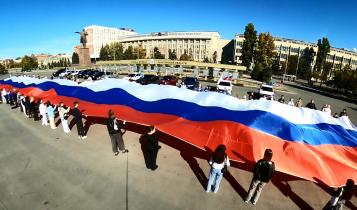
48,169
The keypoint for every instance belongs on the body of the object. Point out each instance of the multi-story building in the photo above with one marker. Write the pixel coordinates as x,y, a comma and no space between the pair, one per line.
99,36
286,47
199,45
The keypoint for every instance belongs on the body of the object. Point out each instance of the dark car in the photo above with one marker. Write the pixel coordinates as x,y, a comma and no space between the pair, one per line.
98,75
149,79
168,80
83,73
58,72
190,83
210,88
90,74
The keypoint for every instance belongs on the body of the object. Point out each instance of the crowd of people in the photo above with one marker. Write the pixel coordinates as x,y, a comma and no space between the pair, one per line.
262,173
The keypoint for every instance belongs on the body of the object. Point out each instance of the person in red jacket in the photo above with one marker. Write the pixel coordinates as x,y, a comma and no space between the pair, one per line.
263,171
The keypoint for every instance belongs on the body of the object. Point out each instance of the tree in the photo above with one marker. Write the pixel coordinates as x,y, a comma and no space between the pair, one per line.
323,48
172,54
305,63
327,68
139,52
275,66
75,58
255,74
157,54
128,53
292,64
264,52
28,63
104,53
115,51
250,40
185,57
3,69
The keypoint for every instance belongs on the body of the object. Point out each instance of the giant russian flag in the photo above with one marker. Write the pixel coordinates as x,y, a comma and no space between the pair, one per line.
306,143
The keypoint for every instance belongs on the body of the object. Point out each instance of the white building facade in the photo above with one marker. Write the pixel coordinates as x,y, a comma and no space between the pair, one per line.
286,47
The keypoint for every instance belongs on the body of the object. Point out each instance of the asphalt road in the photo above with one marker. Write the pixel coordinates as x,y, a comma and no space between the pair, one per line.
42,168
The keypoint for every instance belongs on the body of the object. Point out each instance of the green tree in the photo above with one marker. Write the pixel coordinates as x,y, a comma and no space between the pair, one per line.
3,69
275,67
172,54
255,74
250,40
265,74
129,53
75,58
323,48
305,63
327,68
185,57
157,54
28,63
264,52
139,52
115,51
292,64
104,53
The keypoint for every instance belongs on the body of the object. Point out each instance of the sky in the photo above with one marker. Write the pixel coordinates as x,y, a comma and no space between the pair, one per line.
43,26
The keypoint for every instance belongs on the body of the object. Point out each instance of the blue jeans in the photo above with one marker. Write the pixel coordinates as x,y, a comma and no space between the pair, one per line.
214,175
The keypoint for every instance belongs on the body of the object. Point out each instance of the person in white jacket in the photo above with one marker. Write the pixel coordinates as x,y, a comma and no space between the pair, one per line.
43,113
62,111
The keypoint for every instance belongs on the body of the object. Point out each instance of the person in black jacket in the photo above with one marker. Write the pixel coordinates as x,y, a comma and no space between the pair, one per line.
78,119
115,133
311,104
341,195
263,171
151,148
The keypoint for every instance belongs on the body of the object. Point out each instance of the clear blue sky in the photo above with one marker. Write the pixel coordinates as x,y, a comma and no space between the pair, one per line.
48,26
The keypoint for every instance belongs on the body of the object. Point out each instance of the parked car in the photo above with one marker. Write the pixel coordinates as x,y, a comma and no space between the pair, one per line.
149,79
190,83
58,72
65,74
82,74
133,77
98,75
225,86
168,80
108,74
210,88
266,90
90,74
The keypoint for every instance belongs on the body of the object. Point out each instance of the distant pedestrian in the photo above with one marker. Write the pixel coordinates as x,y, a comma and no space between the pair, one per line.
24,105
299,103
291,102
263,171
311,104
336,115
327,109
151,148
282,99
218,162
63,114
343,113
78,119
341,195
51,114
32,107
3,96
115,133
43,113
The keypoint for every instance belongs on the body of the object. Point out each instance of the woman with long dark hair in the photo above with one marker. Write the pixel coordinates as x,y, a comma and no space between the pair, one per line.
219,160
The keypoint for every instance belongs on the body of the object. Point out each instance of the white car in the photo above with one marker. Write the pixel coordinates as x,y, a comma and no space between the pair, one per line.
65,73
225,86
132,77
266,90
